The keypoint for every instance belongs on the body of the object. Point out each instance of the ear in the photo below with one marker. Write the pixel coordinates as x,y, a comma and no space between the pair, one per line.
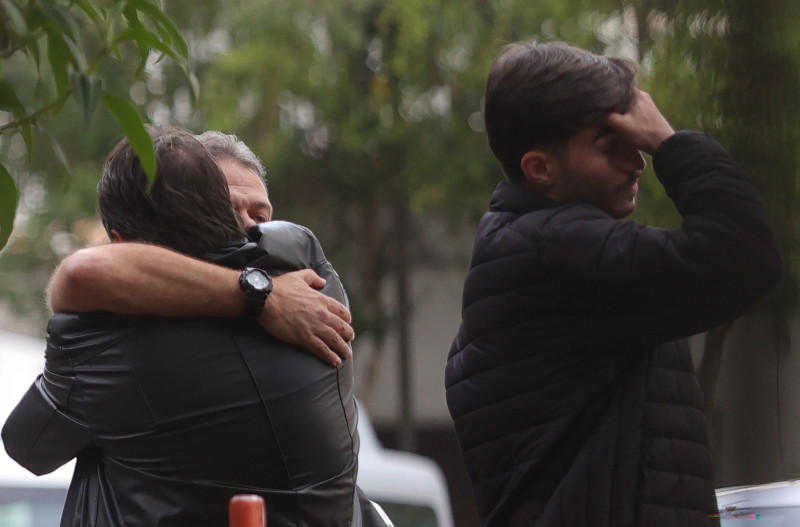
537,167
116,236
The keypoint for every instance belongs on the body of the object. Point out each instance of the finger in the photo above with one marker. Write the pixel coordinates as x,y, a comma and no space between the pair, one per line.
343,330
338,345
321,350
334,342
340,323
338,309
312,278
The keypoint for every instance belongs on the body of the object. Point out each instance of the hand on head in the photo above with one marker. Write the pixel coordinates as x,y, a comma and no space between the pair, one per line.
643,124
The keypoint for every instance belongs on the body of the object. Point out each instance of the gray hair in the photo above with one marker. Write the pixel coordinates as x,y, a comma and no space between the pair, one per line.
222,146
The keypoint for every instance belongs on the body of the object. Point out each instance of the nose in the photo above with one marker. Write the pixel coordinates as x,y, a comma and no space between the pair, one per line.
633,159
641,161
247,221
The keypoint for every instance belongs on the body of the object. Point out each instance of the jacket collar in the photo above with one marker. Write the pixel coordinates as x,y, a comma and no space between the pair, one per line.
509,196
237,254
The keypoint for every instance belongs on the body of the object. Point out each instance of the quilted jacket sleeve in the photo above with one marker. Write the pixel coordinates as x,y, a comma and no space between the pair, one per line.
643,285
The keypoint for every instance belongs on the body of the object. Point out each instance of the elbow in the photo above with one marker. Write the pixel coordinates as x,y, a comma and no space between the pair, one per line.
75,277
776,270
20,453
763,274
771,265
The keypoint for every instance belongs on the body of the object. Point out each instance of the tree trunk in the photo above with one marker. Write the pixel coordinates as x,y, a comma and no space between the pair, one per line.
407,440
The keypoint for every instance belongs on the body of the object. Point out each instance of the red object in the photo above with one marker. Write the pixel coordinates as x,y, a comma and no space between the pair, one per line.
247,510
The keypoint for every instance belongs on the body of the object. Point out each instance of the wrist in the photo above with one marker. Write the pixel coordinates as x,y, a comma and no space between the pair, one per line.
256,285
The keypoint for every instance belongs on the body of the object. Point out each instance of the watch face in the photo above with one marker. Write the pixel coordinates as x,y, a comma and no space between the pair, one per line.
257,280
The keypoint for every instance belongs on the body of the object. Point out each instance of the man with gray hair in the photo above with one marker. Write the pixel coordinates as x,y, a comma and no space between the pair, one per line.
238,163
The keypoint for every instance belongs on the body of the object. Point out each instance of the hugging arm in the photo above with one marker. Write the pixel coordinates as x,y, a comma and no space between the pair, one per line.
141,279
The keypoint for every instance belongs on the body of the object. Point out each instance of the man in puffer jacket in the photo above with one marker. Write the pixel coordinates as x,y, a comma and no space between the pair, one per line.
570,383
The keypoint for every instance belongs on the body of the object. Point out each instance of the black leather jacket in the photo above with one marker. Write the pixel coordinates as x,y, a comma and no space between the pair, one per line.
170,417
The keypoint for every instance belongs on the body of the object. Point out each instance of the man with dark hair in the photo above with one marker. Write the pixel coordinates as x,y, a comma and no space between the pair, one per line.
570,381
169,417
187,186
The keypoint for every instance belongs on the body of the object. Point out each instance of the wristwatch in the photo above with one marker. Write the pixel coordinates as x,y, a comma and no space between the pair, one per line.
257,285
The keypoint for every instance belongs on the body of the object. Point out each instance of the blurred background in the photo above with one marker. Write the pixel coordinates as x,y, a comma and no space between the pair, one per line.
367,115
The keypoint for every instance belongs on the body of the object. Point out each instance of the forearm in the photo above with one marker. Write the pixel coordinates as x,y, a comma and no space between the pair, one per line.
720,204
139,279
135,278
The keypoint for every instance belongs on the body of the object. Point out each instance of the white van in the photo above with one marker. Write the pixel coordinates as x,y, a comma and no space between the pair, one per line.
410,488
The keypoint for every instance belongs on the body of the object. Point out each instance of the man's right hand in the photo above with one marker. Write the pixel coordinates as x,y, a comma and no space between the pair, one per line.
296,312
141,279
643,124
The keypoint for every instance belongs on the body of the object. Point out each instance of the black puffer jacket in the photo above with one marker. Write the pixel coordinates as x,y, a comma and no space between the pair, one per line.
574,398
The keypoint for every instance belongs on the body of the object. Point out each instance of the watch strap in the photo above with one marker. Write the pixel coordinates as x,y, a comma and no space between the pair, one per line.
254,298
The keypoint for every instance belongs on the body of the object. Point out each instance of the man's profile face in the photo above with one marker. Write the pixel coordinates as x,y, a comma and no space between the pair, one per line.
601,168
248,194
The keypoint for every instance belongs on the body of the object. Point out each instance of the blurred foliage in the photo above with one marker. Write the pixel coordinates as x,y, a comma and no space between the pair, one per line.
368,113
54,52
60,60
368,117
731,68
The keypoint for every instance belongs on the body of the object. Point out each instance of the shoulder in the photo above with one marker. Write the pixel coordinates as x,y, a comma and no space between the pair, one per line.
285,233
75,335
505,230
284,246
570,238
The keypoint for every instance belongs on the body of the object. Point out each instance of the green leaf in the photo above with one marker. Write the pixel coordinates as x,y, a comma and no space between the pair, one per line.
60,58
61,157
77,55
131,15
9,196
165,24
132,126
146,39
194,84
33,52
14,17
10,101
86,92
96,17
117,8
59,19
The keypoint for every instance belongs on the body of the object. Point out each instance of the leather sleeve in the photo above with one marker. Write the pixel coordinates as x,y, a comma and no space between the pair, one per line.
38,435
293,247
281,247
